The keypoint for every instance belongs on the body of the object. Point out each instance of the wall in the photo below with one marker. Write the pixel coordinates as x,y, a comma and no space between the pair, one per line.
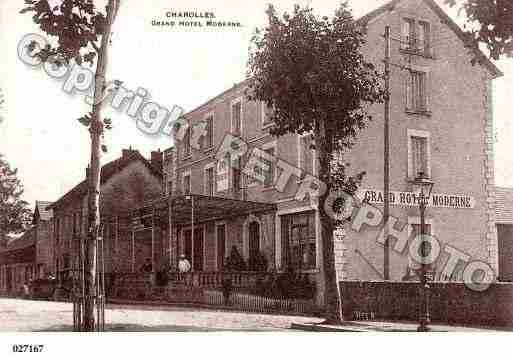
450,303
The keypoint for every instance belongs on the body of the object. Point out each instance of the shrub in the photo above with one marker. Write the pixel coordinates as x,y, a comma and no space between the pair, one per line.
235,262
258,263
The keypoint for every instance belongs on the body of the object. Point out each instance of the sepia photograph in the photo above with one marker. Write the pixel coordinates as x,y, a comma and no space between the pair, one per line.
294,167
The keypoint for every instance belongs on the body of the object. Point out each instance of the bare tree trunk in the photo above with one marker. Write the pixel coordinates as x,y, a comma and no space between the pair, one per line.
96,130
331,297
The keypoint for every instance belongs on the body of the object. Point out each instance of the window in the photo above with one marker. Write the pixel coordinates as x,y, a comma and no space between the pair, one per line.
208,140
269,174
299,241
416,91
419,157
424,41
169,187
209,181
266,118
74,219
408,38
415,230
236,176
187,183
416,36
306,155
236,114
56,229
187,143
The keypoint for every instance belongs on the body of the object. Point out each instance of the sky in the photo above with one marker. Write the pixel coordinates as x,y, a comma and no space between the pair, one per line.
184,67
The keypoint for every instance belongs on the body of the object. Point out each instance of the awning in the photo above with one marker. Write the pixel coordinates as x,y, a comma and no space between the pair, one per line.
203,208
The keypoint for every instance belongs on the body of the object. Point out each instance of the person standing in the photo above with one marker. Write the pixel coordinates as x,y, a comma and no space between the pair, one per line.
184,265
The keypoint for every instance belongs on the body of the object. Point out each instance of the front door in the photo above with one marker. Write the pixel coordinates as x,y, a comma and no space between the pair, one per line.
254,239
221,246
8,279
198,250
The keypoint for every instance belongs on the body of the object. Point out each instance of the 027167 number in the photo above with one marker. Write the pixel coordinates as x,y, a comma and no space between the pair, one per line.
27,348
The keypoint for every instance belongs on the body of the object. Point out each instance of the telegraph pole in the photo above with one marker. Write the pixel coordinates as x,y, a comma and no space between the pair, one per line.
386,167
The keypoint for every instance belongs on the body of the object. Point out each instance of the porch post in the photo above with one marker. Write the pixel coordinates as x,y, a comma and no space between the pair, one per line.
153,239
192,233
170,231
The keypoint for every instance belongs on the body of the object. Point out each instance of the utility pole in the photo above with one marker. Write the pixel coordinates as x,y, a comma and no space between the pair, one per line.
386,168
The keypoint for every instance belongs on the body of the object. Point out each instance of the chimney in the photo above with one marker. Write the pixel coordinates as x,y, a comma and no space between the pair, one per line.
127,152
157,159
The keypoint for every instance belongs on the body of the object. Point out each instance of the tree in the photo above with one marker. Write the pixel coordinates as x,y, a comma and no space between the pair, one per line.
489,22
311,72
77,26
14,213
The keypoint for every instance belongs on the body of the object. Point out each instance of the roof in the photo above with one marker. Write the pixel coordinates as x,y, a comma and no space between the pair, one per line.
233,88
42,211
504,205
27,239
446,19
108,170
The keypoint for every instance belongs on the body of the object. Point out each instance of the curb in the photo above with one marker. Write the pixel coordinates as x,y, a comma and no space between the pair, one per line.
319,328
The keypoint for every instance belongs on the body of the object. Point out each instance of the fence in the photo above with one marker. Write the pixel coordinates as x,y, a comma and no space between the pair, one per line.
204,289
451,303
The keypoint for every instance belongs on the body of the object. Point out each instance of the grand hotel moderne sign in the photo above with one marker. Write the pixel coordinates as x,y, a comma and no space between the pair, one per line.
412,199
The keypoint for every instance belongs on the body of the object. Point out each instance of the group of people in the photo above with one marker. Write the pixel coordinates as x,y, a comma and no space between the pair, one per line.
184,265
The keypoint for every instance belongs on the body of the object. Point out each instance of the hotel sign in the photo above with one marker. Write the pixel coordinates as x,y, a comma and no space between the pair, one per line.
412,199
222,173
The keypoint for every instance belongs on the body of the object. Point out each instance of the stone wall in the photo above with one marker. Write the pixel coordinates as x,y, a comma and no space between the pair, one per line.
450,303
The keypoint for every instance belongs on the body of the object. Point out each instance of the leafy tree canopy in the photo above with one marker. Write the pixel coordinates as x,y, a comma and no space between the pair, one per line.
490,22
14,214
75,23
310,70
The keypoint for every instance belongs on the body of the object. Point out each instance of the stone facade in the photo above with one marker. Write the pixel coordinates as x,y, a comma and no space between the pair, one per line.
126,184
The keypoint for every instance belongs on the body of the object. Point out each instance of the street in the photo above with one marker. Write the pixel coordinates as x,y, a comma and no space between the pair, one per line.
27,316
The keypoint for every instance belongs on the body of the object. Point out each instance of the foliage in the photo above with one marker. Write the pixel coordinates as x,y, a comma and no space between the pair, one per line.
235,262
490,22
287,285
162,278
258,263
76,24
15,217
311,72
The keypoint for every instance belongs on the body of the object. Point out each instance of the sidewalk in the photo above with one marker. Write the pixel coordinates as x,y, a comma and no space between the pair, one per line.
364,326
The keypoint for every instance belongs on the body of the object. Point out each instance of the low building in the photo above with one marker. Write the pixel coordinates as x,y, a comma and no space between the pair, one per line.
30,256
126,183
18,263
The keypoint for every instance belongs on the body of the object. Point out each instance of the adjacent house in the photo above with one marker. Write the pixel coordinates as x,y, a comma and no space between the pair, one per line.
126,183
30,256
